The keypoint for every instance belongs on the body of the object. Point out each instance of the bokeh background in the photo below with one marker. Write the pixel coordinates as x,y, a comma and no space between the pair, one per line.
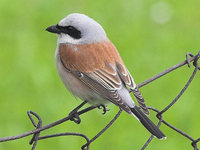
150,36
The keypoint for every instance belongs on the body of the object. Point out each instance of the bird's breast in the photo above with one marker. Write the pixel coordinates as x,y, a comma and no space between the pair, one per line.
76,87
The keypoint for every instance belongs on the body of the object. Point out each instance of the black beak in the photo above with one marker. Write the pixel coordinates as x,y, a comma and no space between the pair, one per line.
53,29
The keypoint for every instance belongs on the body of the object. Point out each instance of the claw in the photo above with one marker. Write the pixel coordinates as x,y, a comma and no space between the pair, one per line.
75,117
104,108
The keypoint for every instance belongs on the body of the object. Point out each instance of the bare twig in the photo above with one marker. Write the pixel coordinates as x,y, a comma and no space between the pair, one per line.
74,115
39,125
167,71
44,127
182,91
159,113
103,130
159,124
66,134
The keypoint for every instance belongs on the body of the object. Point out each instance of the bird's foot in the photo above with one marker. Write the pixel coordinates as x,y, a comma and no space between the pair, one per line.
74,116
104,108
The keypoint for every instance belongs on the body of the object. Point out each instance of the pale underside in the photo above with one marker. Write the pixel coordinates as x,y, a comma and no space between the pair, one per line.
96,73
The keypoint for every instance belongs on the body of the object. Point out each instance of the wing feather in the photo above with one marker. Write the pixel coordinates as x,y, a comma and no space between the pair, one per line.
128,80
110,94
102,70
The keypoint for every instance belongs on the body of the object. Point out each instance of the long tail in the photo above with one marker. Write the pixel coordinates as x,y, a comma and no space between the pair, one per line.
147,123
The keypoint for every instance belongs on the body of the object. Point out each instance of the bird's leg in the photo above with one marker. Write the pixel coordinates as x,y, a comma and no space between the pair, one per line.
74,113
104,108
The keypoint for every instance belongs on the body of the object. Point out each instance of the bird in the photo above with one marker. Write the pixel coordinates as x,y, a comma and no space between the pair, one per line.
91,68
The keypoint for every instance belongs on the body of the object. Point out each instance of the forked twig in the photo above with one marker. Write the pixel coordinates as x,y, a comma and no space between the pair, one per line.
102,131
159,113
74,115
4,139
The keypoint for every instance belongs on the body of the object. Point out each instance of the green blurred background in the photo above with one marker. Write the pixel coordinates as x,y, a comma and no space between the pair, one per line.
150,36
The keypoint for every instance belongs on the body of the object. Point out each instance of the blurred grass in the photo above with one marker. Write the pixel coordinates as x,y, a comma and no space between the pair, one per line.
150,36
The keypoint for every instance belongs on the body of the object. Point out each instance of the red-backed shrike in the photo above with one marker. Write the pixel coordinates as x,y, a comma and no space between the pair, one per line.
92,69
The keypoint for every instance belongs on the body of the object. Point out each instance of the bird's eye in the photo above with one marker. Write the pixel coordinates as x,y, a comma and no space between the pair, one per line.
71,31
70,28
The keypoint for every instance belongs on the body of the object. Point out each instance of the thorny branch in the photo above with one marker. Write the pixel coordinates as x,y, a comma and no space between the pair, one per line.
74,115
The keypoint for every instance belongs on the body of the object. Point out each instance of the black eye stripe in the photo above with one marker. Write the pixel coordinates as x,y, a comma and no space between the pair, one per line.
70,30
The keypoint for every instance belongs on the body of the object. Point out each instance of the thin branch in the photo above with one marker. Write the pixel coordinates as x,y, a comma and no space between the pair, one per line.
74,115
168,71
4,139
103,130
159,113
182,91
159,124
66,134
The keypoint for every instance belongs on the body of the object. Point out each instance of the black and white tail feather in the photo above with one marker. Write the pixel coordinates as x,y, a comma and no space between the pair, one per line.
122,98
105,78
147,123
140,100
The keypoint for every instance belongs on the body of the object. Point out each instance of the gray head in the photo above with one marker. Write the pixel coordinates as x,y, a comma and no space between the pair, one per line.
78,29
